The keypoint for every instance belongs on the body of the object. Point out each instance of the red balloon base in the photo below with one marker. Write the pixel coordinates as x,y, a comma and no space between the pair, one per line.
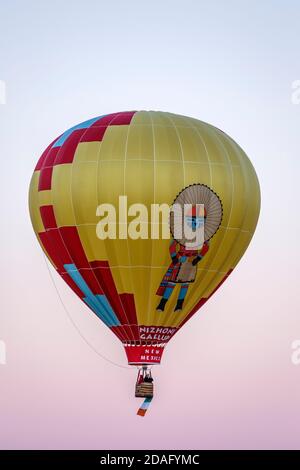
139,355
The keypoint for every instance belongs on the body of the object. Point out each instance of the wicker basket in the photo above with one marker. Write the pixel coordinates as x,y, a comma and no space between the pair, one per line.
144,390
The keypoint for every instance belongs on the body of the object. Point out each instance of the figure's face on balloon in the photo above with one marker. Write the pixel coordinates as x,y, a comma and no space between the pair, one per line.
195,217
194,222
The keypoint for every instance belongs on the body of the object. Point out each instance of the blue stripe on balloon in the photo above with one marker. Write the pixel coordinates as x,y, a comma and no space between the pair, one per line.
104,303
98,303
96,310
78,279
82,125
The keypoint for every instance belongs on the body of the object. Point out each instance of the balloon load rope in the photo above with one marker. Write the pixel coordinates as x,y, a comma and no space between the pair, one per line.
74,324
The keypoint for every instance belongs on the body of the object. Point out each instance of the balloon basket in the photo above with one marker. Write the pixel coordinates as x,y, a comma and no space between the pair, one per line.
144,389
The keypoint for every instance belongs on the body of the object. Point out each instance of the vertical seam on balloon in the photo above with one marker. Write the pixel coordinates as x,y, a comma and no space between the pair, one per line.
123,307
128,251
147,322
168,317
120,299
180,144
209,163
238,151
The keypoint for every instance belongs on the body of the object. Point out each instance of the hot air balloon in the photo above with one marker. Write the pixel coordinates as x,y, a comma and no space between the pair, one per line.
144,215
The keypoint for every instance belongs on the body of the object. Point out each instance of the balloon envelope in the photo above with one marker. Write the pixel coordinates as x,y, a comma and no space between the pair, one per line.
105,178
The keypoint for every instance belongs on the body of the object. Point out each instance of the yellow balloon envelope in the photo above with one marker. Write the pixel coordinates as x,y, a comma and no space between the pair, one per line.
115,203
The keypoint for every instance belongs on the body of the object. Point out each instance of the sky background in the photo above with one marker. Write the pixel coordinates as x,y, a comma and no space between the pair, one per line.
227,380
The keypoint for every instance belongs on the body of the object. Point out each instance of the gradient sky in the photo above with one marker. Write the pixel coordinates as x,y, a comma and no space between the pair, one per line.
227,380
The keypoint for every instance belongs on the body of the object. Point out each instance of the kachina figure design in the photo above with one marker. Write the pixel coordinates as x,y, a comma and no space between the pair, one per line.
204,214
